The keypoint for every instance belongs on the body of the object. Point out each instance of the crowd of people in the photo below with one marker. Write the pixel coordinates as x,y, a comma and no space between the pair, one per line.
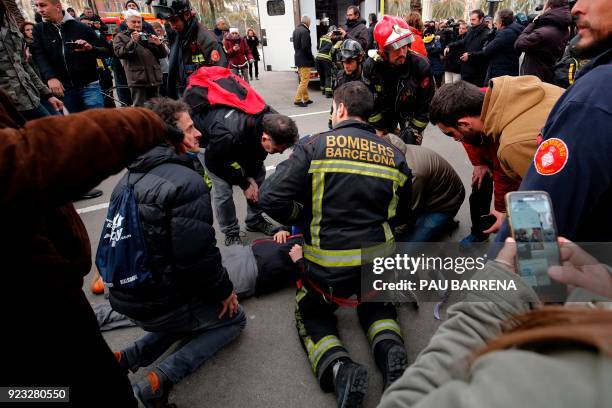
491,85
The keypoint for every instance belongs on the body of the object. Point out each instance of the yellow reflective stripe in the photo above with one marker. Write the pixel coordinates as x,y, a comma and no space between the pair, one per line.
320,348
375,118
207,180
378,88
382,325
388,232
394,200
347,257
418,123
355,167
324,56
570,74
235,165
318,185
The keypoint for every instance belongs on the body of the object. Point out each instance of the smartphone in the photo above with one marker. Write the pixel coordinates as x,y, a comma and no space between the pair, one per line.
531,219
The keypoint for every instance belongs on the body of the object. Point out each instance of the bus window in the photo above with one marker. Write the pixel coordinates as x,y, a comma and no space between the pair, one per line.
276,7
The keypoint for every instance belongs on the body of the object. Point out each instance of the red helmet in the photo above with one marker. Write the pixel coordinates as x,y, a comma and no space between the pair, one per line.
392,33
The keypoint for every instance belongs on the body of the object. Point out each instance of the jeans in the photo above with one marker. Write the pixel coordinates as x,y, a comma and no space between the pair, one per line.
301,94
38,112
224,204
202,332
428,227
80,99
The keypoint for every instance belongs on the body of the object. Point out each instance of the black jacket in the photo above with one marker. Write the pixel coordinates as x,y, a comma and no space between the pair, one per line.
311,189
233,143
500,53
473,71
302,47
57,60
451,60
253,43
402,95
191,49
543,42
358,31
176,216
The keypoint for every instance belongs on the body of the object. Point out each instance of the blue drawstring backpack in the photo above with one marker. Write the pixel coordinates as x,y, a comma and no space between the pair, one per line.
122,253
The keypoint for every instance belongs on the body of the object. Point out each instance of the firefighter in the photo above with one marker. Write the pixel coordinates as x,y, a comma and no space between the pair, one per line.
193,46
401,81
324,60
309,190
351,56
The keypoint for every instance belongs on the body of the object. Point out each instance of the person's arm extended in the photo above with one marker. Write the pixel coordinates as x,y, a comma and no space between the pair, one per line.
101,48
54,159
492,48
471,323
282,194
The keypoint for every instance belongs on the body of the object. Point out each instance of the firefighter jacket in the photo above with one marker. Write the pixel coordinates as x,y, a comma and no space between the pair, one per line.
348,189
402,94
324,53
193,48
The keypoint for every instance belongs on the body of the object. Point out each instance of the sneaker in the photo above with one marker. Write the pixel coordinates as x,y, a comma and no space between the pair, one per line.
308,102
397,362
351,384
233,239
153,391
300,104
264,226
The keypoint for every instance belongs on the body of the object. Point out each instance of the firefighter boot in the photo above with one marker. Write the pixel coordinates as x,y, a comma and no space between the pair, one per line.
351,381
392,360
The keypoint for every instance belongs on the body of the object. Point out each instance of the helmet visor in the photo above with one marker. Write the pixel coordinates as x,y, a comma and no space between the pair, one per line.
407,40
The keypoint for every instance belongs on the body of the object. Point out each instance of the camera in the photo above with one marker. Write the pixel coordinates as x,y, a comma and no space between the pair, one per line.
144,36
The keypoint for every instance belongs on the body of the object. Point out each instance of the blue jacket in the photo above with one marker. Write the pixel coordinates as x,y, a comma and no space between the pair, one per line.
434,51
500,53
578,180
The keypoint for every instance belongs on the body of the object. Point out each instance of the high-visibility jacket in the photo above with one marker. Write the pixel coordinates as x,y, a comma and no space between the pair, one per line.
324,51
402,95
347,188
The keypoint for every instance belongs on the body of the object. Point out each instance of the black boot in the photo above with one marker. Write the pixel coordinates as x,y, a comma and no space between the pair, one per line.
351,382
392,360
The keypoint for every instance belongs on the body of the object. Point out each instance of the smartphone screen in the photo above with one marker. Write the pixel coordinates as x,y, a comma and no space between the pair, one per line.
533,228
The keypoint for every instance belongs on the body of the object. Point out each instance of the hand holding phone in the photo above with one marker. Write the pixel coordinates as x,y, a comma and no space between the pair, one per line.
533,228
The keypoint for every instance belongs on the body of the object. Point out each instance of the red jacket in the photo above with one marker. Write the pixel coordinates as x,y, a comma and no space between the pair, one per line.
418,45
486,155
237,57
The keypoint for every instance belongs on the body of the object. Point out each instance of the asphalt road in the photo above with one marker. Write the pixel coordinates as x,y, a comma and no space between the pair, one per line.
266,366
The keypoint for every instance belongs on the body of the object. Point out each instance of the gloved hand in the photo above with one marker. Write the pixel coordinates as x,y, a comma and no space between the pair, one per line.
411,135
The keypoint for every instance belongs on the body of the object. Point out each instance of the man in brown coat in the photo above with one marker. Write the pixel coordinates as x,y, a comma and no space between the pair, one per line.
140,54
49,330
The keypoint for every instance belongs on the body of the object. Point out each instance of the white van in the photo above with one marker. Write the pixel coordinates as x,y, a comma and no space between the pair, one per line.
278,19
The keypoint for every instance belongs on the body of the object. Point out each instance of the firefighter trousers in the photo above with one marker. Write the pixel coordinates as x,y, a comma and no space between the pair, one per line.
316,324
324,68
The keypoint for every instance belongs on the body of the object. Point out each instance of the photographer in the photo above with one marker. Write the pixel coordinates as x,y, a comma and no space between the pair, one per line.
140,53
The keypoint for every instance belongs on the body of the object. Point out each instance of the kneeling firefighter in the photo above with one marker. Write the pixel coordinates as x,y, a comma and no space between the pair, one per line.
310,189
